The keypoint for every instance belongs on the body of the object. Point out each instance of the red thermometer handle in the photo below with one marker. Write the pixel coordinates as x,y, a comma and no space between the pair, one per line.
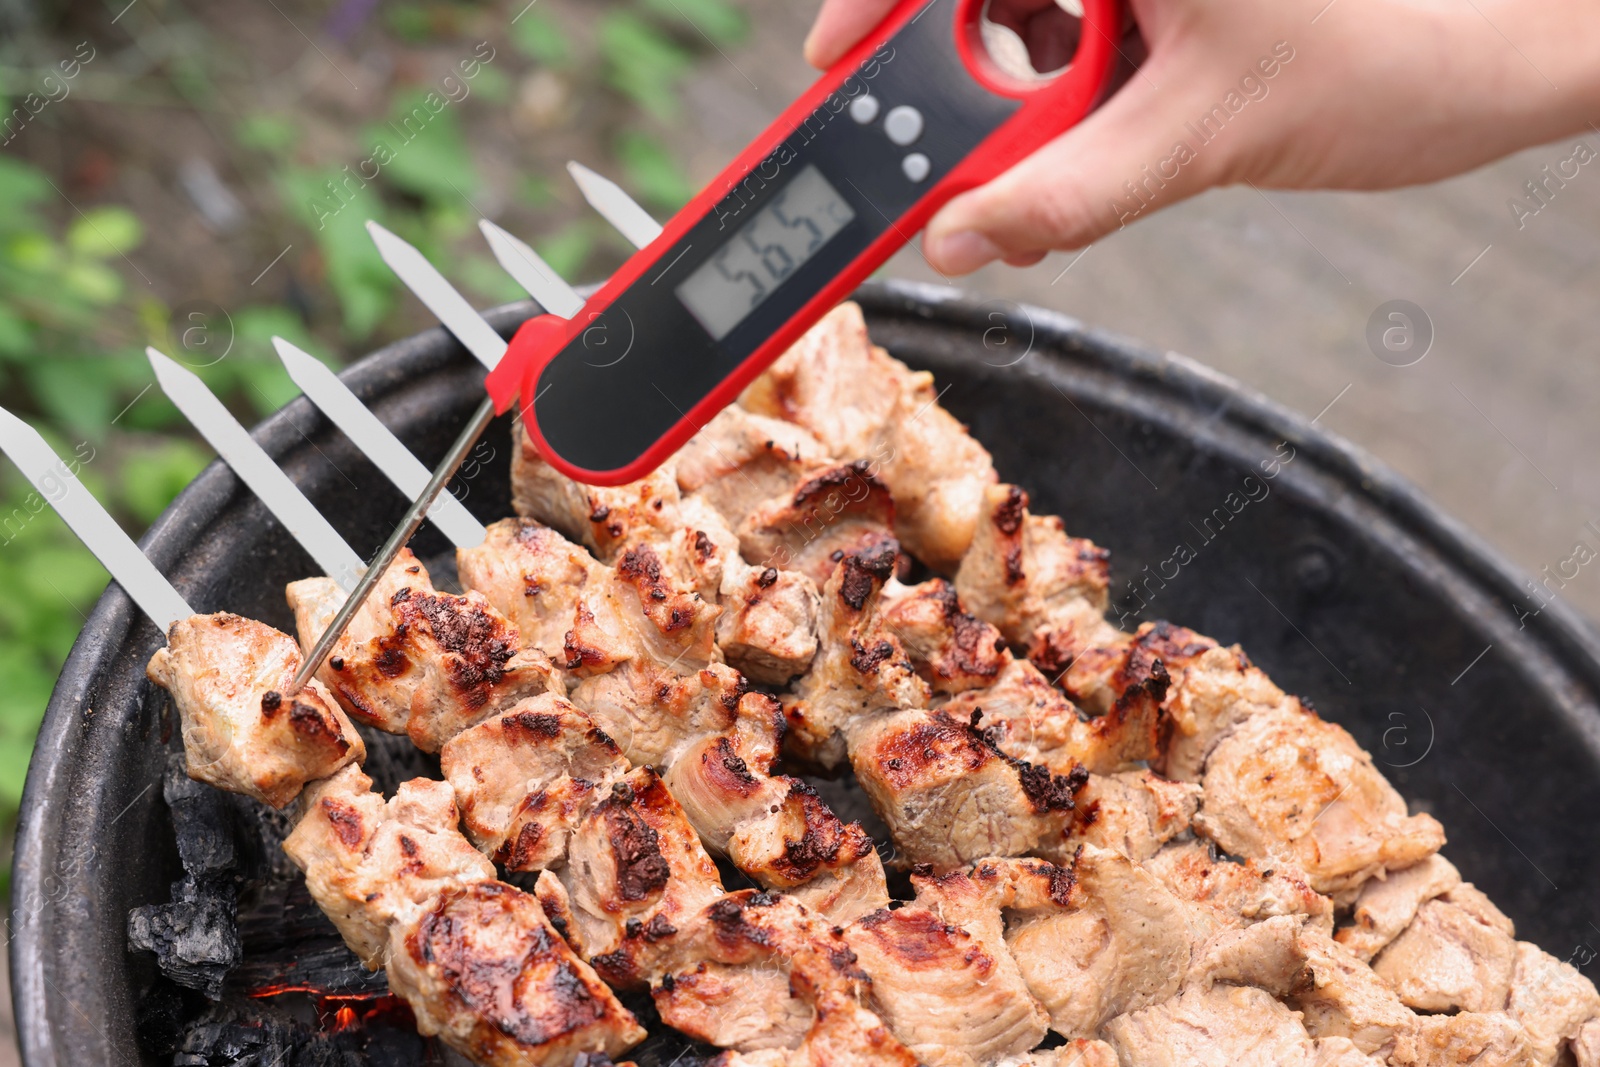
915,114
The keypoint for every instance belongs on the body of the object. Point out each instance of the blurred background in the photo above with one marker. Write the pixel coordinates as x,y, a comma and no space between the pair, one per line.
190,175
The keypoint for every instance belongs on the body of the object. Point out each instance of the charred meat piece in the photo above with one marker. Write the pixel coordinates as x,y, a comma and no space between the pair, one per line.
635,873
952,650
741,460
1045,591
1099,675
862,666
834,512
536,578
768,626
862,404
526,778
371,864
417,661
950,991
227,676
482,968
759,974
1029,719
949,796
1135,813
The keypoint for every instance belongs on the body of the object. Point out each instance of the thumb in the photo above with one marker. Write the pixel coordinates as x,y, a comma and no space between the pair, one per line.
840,24
1131,157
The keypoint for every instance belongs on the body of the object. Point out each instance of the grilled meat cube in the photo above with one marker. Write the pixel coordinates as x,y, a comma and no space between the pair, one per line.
1209,696
952,650
774,828
526,778
655,713
371,864
1452,957
1481,1039
768,626
1134,813
1108,939
754,945
1045,591
938,473
949,796
861,667
1238,893
1387,905
1224,1026
1098,676
417,661
727,980
863,404
1335,992
1079,1053
1342,1052
949,991
537,579
1586,1046
482,968
847,890
741,460
1283,786
1028,719
1343,998
607,520
835,383
635,873
1551,1000
226,676
836,511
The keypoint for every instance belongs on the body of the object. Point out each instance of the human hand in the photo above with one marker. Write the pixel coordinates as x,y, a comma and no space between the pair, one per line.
1288,94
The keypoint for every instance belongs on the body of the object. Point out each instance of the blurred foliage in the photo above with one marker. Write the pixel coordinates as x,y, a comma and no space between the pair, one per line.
76,310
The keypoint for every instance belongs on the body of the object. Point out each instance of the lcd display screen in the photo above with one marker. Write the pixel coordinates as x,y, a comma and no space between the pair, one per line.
765,252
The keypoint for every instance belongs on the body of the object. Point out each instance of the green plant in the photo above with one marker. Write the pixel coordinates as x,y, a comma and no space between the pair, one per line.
76,309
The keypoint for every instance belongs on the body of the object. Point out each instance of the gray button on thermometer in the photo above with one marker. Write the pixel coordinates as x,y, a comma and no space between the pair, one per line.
864,109
903,125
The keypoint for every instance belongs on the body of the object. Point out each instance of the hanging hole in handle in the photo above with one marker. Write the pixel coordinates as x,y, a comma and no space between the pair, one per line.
1030,40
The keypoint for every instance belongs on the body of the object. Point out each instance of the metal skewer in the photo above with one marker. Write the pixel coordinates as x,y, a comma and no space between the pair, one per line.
615,206
346,411
391,549
257,470
95,527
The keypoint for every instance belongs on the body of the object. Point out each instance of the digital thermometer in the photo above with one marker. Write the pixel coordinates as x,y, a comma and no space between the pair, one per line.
918,112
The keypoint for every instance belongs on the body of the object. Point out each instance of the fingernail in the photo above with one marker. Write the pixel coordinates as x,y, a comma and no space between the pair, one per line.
962,252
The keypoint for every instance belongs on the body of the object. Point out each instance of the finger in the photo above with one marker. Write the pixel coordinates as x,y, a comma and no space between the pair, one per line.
840,24
1118,165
